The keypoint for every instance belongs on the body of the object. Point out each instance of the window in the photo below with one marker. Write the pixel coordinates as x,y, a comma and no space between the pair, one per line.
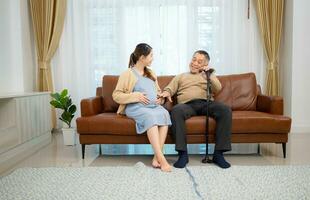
207,29
102,23
175,29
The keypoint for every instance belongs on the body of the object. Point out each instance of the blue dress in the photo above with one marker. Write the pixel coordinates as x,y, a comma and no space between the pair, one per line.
148,115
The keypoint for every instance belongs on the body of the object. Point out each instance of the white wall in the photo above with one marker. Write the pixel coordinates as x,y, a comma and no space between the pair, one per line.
17,51
295,66
301,67
285,61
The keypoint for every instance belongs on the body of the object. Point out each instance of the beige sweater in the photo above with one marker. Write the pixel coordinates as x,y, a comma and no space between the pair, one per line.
188,86
123,93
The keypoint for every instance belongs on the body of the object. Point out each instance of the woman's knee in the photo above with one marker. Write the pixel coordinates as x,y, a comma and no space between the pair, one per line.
166,112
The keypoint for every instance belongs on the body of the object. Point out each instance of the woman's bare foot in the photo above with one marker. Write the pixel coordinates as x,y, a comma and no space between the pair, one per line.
164,165
155,162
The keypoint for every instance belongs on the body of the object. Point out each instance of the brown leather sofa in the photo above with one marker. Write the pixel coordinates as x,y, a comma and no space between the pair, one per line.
257,118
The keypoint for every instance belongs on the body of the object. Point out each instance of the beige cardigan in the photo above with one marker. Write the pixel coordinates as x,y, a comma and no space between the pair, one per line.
123,94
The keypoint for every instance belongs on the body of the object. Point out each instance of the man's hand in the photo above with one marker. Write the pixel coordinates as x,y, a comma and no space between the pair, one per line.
165,94
160,100
206,68
143,98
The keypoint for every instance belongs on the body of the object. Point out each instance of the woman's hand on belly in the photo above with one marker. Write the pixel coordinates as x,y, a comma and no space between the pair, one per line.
143,98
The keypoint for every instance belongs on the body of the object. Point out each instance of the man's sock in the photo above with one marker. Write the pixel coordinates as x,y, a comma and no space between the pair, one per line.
219,159
182,161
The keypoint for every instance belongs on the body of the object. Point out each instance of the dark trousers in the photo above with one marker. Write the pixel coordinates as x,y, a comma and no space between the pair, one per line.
198,107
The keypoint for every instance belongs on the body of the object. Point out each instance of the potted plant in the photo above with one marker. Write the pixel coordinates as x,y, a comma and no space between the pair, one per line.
64,102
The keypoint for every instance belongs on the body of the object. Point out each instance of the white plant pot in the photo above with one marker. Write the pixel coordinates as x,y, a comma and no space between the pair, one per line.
69,136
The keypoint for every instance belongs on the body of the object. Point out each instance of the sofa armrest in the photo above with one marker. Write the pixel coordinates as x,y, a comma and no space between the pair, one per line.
270,104
91,106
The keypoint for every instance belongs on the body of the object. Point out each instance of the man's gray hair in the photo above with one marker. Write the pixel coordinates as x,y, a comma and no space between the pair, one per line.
203,52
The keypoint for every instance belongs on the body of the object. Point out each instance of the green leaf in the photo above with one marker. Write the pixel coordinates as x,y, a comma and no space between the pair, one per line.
64,93
56,104
72,109
69,102
63,102
66,116
56,96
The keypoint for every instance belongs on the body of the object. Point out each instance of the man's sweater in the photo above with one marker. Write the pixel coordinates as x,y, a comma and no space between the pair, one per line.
188,86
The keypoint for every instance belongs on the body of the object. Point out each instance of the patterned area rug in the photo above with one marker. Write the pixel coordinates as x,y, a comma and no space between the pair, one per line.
142,182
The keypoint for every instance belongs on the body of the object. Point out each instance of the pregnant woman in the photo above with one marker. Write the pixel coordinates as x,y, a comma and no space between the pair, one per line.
137,93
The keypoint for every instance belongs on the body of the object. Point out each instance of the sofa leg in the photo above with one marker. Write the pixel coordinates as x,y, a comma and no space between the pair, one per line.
100,152
258,148
284,149
83,150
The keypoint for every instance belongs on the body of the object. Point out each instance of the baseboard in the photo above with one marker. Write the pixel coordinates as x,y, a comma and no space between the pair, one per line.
300,129
22,151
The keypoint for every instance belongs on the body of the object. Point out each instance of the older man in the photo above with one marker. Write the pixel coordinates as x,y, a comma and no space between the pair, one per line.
190,90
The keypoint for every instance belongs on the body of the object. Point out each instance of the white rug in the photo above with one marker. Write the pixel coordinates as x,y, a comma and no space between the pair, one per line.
142,182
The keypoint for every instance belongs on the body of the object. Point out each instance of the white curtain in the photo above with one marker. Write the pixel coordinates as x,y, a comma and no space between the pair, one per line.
99,36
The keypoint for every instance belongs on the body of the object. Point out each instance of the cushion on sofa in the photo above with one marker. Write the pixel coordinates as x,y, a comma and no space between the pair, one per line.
239,91
259,122
108,85
243,122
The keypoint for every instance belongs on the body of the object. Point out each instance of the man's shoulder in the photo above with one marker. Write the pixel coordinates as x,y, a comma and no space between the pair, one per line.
182,74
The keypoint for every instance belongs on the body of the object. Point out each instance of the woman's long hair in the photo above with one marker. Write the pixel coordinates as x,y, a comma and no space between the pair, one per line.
141,49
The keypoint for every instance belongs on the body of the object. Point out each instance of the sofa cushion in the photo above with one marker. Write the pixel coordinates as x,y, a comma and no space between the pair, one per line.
108,85
113,124
197,124
163,81
239,91
106,123
243,122
259,122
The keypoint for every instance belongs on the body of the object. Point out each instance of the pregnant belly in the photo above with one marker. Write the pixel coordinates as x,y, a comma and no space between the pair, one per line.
135,106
